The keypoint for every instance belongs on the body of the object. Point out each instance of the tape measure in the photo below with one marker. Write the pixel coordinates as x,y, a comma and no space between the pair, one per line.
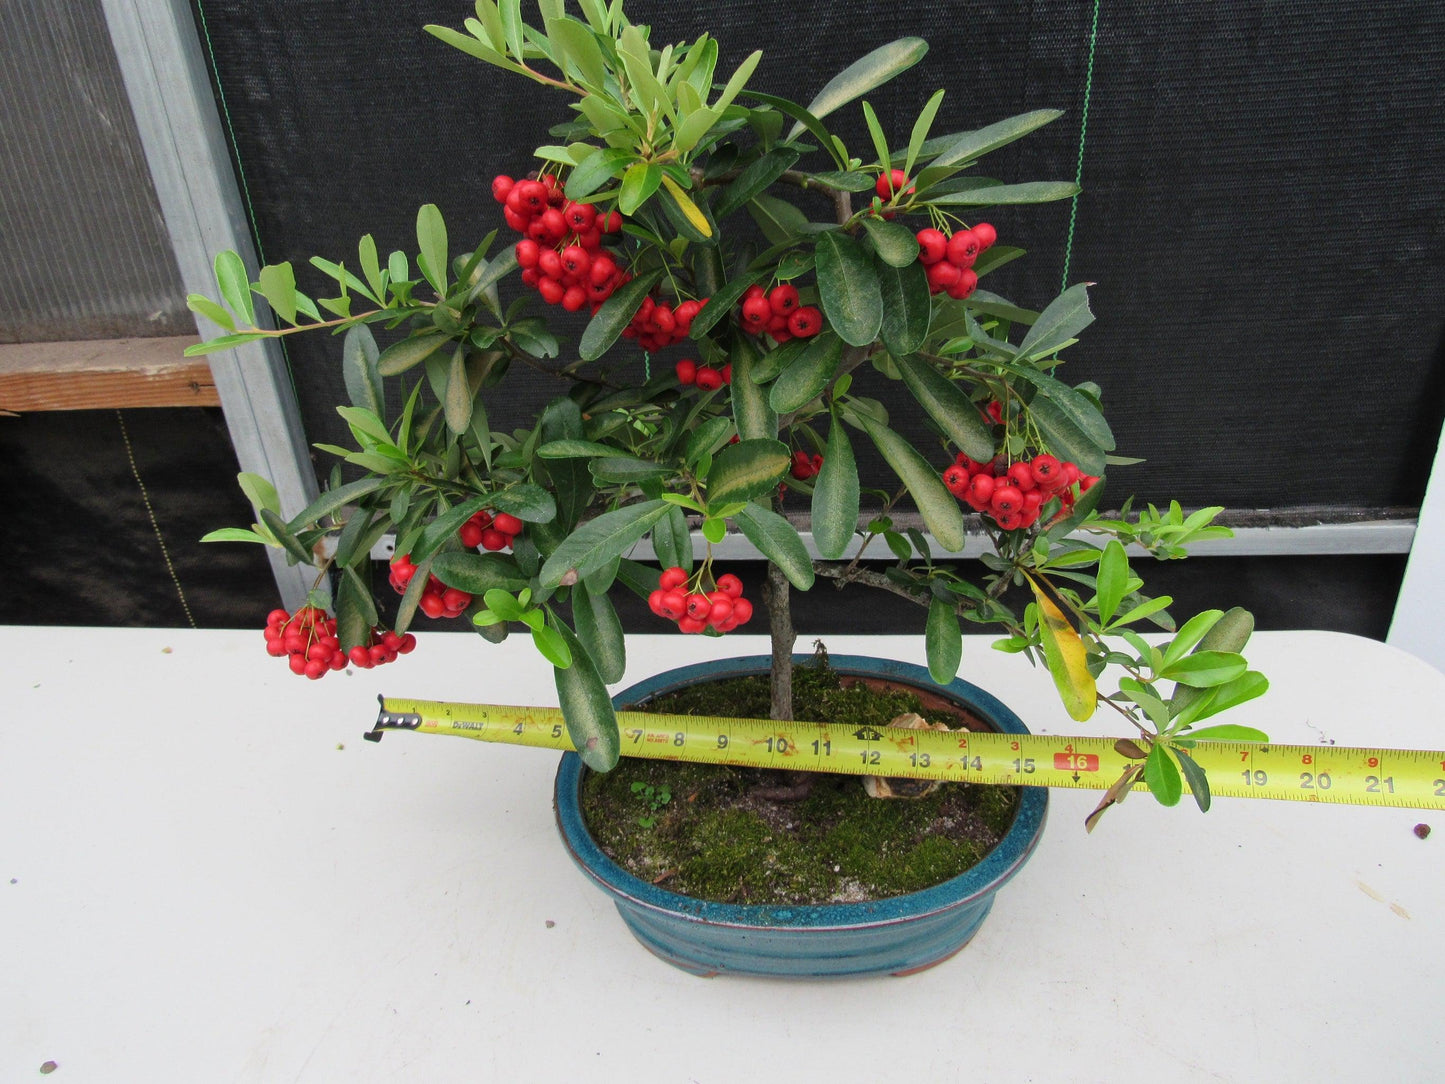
1412,778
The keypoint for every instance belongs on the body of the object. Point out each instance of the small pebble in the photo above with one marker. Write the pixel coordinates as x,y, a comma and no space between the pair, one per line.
49,1067
550,924
166,651
1422,830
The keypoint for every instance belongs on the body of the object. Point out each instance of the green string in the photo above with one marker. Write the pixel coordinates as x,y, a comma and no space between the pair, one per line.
1083,133
646,367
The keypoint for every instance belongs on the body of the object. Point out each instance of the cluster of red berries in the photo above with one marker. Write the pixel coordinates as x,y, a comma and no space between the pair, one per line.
777,313
491,532
438,600
950,259
722,609
656,325
308,639
1014,494
704,376
561,254
805,466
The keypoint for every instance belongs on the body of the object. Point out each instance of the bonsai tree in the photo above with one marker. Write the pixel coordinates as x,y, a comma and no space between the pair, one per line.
797,285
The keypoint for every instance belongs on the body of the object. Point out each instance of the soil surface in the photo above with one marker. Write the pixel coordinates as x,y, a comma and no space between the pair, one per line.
716,838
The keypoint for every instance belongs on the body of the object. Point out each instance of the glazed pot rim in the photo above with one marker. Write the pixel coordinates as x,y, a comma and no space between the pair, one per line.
996,867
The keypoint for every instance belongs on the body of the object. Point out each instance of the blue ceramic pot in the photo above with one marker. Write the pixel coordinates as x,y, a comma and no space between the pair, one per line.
897,936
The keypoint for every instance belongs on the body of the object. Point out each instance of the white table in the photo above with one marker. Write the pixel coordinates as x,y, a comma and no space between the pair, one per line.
206,875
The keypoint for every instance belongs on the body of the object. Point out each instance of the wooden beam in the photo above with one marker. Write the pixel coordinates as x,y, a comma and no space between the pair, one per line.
103,373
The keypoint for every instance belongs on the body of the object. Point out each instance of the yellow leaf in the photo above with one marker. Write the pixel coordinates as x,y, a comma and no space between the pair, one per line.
1066,657
684,201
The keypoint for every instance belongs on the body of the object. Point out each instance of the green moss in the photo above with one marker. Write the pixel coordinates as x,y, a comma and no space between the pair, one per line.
717,840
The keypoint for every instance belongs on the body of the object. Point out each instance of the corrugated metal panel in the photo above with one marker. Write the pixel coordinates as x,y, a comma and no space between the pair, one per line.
82,243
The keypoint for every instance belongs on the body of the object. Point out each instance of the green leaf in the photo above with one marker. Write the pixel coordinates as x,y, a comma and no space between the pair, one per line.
836,495
865,73
1247,686
693,221
597,542
477,573
1141,611
997,195
707,438
1063,319
600,629
289,542
552,646
597,169
1190,634
614,315
1230,633
234,534
1063,437
490,272
359,370
1067,659
844,181
671,540
529,503
235,285
638,184
580,47
755,178
848,288
354,605
778,541
574,449
807,375
259,491
920,131
1162,776
967,146
943,642
199,303
1195,776
626,468
401,356
880,140
586,707
754,416
278,287
717,307
946,403
431,238
1204,669
938,507
333,500
223,342
779,220
1112,579
365,424
1226,732
747,469
895,244
907,307
511,12
458,402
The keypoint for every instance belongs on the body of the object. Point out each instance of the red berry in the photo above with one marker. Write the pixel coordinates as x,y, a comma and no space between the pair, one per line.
963,249
508,524
730,584
431,604
932,246
579,216
966,284
802,467
551,290
686,371
684,314
698,607
805,322
742,610
493,539
501,187
361,656
1048,472
654,602
1022,476
986,235
783,299
674,603
408,642
956,479
470,534
612,223
532,195
757,312
1006,498
727,373
754,291
277,617
573,298
890,184
314,669
980,488
709,379
941,276
676,577
575,260
691,624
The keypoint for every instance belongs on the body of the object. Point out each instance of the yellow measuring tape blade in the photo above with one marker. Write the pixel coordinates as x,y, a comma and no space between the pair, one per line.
1412,778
